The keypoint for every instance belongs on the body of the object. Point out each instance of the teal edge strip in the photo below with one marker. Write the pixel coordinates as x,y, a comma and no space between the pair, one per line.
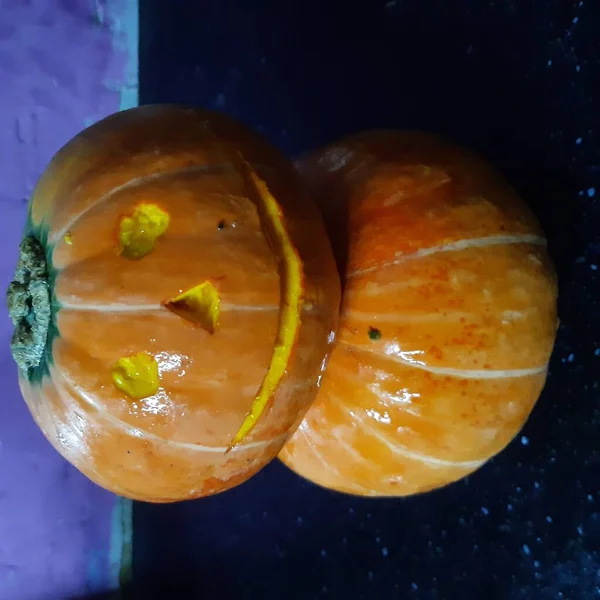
122,18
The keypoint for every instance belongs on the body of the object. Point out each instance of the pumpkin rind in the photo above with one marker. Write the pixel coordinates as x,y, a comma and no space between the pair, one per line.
108,306
448,316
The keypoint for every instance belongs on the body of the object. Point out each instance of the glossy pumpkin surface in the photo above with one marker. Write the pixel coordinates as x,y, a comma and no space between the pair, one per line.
448,316
171,243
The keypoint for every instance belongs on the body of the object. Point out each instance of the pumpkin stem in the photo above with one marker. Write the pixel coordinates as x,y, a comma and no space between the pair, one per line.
29,307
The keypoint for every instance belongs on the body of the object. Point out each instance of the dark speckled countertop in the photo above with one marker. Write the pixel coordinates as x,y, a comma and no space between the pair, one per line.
520,82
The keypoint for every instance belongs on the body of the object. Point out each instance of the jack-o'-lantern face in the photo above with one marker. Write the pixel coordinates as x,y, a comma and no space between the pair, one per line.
170,303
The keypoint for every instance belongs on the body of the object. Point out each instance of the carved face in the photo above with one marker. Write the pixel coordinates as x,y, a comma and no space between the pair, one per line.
189,305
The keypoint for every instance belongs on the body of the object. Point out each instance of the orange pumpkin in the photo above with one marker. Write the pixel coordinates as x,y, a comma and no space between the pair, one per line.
448,316
174,299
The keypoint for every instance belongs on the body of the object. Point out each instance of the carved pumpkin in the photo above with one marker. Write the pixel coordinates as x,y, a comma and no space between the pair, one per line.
175,298
447,323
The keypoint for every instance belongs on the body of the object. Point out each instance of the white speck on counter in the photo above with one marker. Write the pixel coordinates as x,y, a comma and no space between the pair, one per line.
384,552
485,511
414,586
570,358
597,352
548,519
580,530
323,553
550,63
591,192
526,549
525,440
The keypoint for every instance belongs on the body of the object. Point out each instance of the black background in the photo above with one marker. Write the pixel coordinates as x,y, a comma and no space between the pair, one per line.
518,81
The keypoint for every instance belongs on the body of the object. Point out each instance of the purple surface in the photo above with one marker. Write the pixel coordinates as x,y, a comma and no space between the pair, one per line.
59,70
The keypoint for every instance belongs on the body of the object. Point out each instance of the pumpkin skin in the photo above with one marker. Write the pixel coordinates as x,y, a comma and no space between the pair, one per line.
173,444
448,316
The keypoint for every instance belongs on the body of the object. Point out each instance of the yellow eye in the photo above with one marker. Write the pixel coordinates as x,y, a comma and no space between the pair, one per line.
139,232
136,375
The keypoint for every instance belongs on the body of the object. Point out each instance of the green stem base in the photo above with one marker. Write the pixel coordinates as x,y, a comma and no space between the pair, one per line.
29,306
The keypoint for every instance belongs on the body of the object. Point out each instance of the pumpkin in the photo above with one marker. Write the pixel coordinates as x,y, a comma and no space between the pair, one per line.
173,303
448,316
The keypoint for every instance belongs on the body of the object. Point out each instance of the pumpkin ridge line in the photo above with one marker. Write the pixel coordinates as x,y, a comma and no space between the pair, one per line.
355,487
117,308
456,246
448,316
416,456
137,182
405,317
450,371
137,432
424,188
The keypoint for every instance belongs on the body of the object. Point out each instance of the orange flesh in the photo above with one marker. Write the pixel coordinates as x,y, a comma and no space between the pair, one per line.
444,260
